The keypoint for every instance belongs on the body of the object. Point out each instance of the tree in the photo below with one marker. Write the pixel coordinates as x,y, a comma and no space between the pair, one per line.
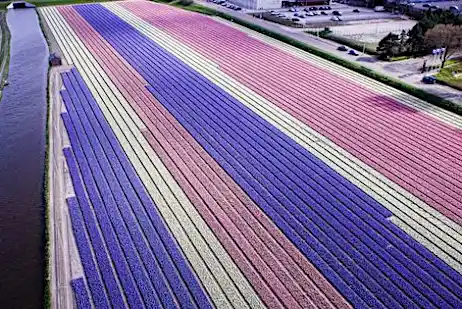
417,39
430,19
447,36
392,45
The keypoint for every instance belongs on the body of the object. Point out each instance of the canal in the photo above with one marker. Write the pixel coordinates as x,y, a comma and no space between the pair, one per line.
22,156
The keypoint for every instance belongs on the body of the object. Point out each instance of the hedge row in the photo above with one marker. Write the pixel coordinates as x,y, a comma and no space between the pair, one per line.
407,88
46,190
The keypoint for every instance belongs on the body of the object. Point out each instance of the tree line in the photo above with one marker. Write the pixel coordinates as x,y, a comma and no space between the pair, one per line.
437,29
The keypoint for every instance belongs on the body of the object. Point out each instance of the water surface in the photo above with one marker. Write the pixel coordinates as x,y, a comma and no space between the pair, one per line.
22,153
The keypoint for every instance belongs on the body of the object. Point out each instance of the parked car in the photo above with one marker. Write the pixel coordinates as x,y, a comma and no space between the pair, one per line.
295,19
337,13
454,9
315,13
426,5
429,79
342,48
310,14
336,18
313,8
353,52
238,8
355,11
324,13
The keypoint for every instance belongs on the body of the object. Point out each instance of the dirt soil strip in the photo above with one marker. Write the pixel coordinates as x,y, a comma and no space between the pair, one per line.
64,260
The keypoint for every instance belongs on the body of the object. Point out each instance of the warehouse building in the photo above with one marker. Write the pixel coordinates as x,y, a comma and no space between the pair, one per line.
258,4
275,4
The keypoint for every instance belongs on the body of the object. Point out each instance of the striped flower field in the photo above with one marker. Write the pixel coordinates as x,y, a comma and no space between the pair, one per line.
214,167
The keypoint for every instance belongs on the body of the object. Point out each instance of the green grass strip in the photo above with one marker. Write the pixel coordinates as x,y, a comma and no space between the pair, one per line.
446,77
4,50
39,3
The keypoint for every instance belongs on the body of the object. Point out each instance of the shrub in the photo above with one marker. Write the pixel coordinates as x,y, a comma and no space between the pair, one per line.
182,2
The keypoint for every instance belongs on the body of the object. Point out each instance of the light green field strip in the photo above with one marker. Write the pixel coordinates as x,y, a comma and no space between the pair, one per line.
439,234
378,87
221,278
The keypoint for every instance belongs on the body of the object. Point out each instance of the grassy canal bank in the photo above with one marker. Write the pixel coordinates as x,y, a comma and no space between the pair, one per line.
3,5
4,50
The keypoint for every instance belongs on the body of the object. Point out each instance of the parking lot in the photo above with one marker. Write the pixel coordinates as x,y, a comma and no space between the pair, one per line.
446,5
226,4
334,14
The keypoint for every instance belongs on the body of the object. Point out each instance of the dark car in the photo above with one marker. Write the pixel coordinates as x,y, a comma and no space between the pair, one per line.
295,19
337,13
342,48
355,11
426,5
353,52
324,13
429,79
